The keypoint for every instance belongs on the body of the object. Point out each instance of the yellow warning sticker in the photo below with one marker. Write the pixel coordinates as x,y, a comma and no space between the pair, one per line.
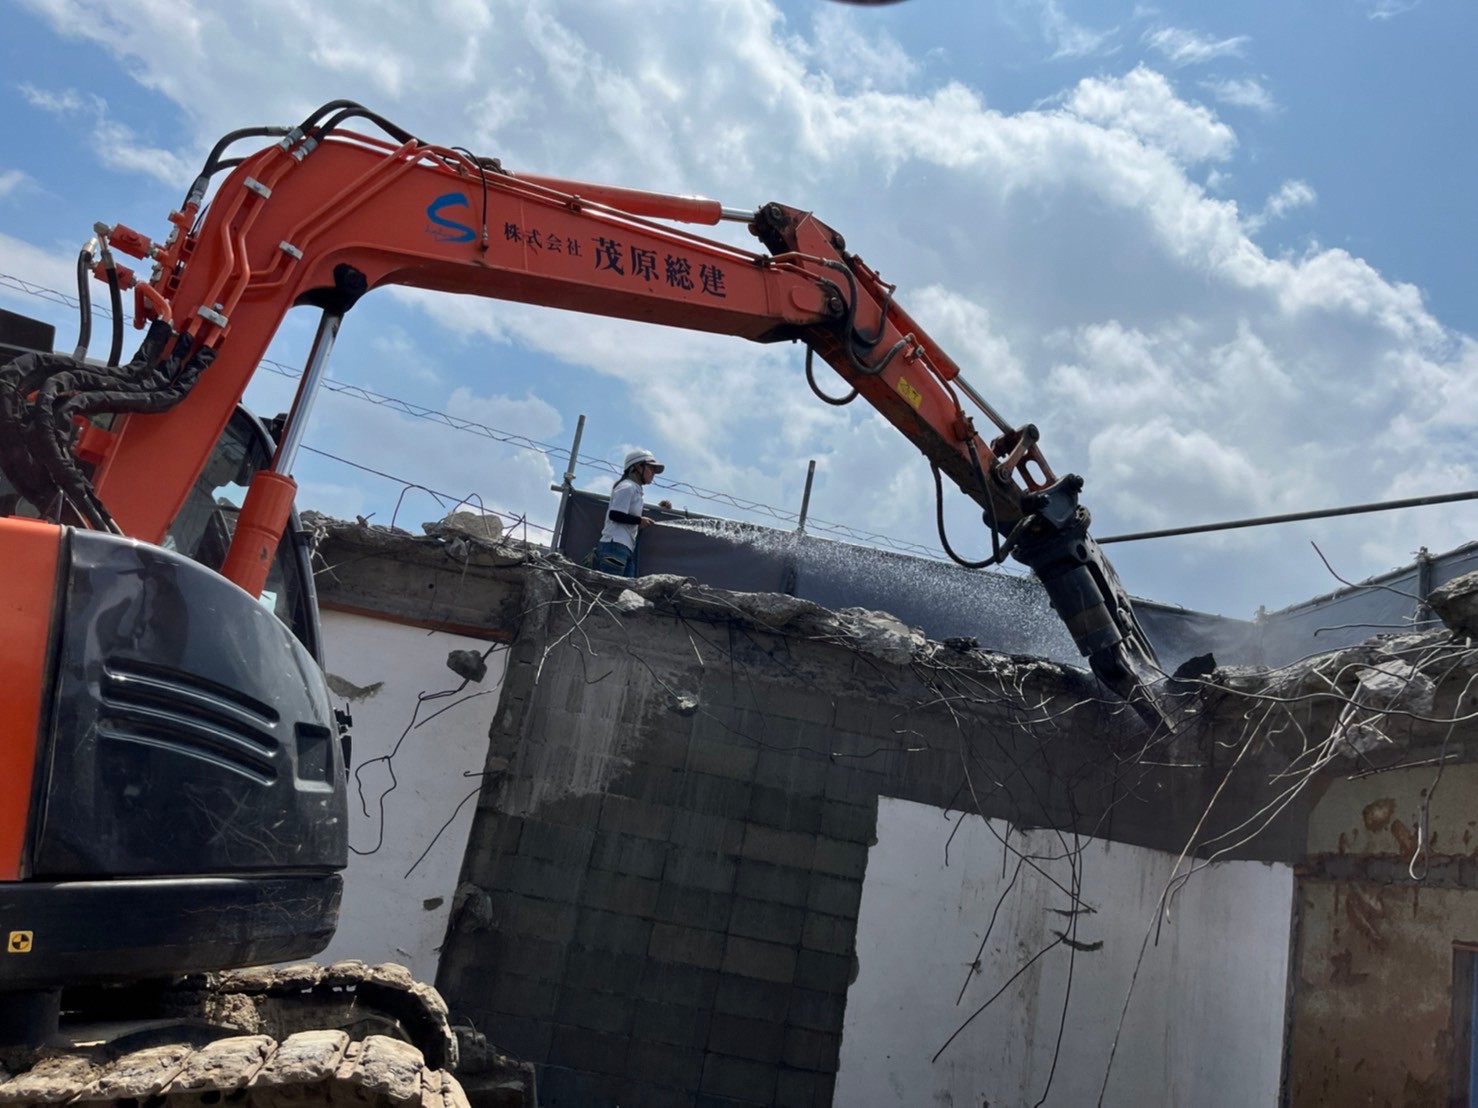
908,392
20,943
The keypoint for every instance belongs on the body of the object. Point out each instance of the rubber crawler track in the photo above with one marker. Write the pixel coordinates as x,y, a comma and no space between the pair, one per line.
309,1068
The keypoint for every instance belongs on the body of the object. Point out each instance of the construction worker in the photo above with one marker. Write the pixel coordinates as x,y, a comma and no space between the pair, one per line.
616,551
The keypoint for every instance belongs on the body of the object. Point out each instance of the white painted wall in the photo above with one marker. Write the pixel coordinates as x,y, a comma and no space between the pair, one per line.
1205,1023
388,916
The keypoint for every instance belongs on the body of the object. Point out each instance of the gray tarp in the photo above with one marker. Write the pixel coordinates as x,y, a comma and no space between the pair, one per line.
1003,612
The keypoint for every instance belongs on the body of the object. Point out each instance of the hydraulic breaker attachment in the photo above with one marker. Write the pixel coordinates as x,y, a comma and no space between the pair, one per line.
1087,594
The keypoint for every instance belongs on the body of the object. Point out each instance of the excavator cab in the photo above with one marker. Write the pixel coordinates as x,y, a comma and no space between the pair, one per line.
172,799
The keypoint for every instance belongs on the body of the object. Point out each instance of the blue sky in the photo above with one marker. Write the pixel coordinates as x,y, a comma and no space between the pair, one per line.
1220,254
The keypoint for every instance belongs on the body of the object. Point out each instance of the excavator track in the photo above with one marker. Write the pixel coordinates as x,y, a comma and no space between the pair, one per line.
308,1068
296,1035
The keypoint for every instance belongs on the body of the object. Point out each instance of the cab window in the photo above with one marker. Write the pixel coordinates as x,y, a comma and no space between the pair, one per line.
203,528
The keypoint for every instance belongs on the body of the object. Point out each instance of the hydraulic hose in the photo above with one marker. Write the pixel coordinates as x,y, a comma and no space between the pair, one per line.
84,302
115,294
1000,549
835,401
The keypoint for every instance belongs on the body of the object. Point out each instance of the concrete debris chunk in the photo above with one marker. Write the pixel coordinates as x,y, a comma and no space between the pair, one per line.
472,908
1382,688
1457,603
346,971
629,601
778,609
349,690
881,635
473,525
661,586
467,664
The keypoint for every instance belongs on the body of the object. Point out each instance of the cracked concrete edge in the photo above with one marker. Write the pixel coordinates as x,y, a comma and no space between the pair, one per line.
1220,698
878,634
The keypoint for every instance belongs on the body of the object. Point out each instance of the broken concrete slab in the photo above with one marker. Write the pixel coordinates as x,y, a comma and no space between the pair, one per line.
472,525
1456,603
1390,698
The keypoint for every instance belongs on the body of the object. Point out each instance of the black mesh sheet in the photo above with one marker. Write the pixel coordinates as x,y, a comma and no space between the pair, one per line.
1003,612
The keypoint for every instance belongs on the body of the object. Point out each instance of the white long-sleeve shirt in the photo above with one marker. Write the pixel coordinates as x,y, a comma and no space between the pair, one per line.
626,497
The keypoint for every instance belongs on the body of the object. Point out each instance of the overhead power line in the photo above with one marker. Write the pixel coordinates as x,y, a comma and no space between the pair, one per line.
449,498
510,438
781,515
1293,517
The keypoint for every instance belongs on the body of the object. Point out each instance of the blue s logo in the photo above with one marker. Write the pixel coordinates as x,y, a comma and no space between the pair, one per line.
448,230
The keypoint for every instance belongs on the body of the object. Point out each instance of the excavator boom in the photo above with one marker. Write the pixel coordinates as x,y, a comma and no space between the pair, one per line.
161,717
325,215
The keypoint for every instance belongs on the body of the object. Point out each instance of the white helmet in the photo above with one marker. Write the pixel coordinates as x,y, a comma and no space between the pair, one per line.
637,456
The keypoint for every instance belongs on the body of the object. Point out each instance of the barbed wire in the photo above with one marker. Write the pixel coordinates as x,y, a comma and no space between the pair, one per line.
419,411
449,498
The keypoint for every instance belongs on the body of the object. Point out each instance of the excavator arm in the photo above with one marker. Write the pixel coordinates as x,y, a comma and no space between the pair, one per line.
324,215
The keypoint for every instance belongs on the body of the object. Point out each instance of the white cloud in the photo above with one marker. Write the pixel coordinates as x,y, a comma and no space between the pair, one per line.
51,269
1046,20
11,180
1191,467
1064,255
1069,38
1389,9
1242,92
531,416
1290,196
419,477
1143,104
697,390
402,350
1181,47
69,102
856,57
116,145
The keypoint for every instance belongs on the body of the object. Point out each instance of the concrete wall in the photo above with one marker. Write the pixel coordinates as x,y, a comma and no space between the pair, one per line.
1204,1025
670,892
663,890
1372,1020
661,893
391,911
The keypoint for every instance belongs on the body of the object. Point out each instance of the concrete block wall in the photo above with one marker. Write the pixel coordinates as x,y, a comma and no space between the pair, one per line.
659,901
684,937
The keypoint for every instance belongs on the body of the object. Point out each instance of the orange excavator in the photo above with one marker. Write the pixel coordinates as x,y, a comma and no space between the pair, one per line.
172,774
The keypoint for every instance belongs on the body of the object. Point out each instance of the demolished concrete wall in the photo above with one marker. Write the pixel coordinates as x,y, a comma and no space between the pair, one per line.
665,892
661,896
663,881
1380,741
